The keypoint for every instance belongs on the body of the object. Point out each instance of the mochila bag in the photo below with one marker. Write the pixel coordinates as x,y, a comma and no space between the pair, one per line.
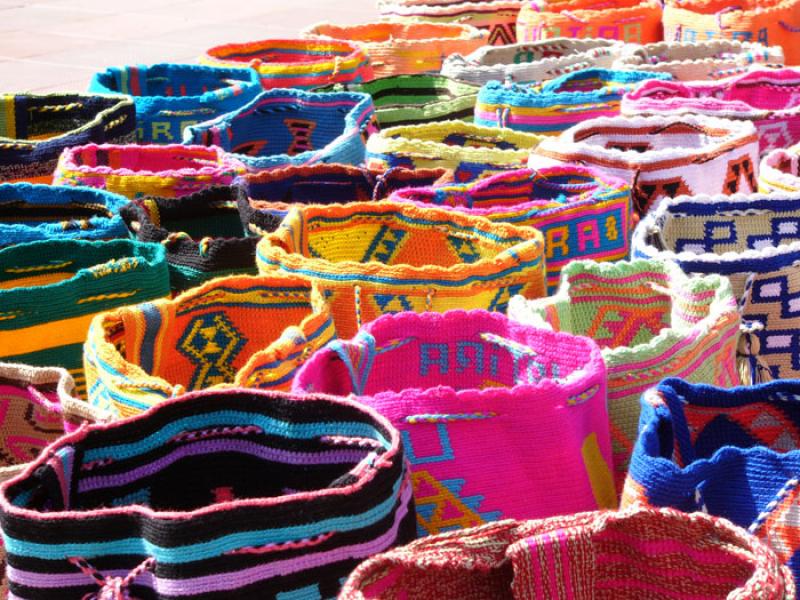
780,171
372,258
651,322
292,127
660,157
169,97
462,402
580,213
558,104
397,48
251,332
233,492
168,171
32,211
36,128
730,453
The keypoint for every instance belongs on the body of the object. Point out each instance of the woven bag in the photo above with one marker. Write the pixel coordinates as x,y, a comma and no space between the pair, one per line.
202,233
251,332
169,97
770,98
752,240
134,171
283,127
416,99
31,212
221,494
498,17
780,171
731,453
470,151
34,129
396,48
558,104
774,22
50,290
580,213
661,157
651,322
624,20
462,402
638,553
371,258
690,61
302,64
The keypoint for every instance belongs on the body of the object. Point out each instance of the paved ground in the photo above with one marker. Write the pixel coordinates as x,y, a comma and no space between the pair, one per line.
53,45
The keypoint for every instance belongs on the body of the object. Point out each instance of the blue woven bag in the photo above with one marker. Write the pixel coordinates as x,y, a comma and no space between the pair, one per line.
169,97
284,127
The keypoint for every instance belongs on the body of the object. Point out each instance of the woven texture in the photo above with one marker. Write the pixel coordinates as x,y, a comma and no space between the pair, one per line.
416,99
50,290
661,157
470,151
580,213
770,98
780,171
169,97
643,553
773,22
169,171
651,322
31,212
462,401
302,64
34,129
732,453
372,258
752,240
252,332
396,48
690,61
202,233
237,493
498,17
625,20
558,104
532,61
283,127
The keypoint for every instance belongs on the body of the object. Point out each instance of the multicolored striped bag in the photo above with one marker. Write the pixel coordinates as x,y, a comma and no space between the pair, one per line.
558,104
292,127
532,61
396,48
773,22
693,61
251,332
652,322
371,258
169,171
731,453
625,20
780,171
661,157
415,99
36,128
169,97
470,151
202,233
229,493
302,64
580,213
638,553
770,98
50,290
752,240
30,212
498,17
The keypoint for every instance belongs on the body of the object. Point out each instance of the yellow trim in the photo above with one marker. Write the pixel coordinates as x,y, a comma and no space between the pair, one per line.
600,477
47,335
11,123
